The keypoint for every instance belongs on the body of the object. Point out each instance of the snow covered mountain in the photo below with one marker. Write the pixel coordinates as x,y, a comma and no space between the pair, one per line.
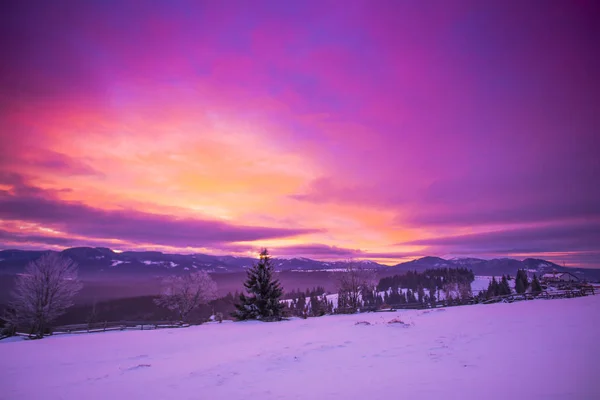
104,261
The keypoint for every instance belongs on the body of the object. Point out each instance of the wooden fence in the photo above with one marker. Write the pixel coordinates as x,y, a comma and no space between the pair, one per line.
106,326
509,298
116,326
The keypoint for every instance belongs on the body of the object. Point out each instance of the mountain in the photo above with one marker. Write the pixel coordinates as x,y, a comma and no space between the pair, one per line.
496,266
100,261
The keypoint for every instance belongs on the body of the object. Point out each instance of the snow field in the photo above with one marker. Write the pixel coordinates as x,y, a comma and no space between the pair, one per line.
536,349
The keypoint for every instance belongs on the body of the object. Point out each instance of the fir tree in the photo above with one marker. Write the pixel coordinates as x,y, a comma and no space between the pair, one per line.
402,298
536,287
492,289
301,304
525,280
342,306
264,292
505,287
521,281
420,294
410,297
519,285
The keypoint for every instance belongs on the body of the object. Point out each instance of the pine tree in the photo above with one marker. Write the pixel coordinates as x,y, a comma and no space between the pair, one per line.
301,304
316,306
505,287
492,289
525,280
420,294
264,292
342,306
519,286
536,287
521,281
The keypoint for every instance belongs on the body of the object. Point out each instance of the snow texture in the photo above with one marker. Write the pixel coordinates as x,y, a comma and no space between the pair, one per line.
541,349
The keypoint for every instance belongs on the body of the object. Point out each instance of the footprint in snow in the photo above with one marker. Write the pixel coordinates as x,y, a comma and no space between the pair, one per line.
139,366
141,356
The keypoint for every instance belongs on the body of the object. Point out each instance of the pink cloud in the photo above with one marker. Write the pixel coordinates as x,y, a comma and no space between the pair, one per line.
455,117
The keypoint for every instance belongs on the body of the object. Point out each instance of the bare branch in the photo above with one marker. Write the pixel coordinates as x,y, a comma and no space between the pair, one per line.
44,291
352,283
185,293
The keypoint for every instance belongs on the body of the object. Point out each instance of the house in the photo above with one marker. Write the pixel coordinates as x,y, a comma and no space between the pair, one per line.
559,277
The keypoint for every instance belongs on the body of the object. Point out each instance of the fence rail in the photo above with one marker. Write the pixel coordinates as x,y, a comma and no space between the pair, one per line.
509,298
116,325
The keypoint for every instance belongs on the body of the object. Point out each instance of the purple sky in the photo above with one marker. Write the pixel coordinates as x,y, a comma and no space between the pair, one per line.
385,130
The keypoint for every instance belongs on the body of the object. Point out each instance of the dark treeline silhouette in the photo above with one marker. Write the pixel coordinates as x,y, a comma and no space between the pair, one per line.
501,286
314,305
294,294
142,308
432,279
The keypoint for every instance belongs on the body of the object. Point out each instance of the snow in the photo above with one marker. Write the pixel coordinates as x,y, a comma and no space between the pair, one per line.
481,283
320,270
116,262
498,351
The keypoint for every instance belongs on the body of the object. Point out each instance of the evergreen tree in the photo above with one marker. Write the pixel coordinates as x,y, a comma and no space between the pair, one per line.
368,296
264,292
492,288
536,287
300,304
519,287
315,306
342,306
505,287
410,297
525,280
420,294
521,281
378,300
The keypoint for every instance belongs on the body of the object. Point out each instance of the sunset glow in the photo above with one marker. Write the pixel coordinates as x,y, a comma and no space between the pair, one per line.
369,130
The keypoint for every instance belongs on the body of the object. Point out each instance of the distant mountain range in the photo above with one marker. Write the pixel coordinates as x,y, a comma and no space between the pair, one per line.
101,261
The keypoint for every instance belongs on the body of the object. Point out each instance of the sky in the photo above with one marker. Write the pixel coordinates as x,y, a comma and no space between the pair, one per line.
385,130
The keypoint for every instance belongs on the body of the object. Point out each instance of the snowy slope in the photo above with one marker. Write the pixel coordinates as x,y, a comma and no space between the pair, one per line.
499,351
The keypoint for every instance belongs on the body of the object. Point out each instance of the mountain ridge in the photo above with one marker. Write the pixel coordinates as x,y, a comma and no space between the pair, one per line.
102,261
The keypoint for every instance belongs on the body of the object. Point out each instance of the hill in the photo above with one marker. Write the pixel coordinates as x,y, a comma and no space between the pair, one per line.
460,352
104,262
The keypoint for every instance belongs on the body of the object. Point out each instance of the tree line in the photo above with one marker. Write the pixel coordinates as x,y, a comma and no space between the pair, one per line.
501,287
48,286
433,279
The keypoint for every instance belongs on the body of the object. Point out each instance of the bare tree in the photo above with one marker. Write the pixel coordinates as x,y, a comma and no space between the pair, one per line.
44,291
451,291
464,290
183,294
352,282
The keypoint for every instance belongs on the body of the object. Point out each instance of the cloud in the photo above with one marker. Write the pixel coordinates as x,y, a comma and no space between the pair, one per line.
51,240
566,237
132,226
484,118
322,251
316,250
